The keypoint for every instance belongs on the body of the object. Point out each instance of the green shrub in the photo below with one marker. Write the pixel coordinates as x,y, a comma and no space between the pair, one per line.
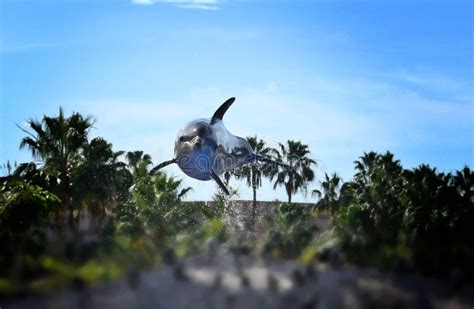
290,231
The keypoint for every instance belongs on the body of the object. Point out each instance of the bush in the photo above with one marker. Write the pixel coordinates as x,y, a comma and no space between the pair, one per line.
290,231
24,213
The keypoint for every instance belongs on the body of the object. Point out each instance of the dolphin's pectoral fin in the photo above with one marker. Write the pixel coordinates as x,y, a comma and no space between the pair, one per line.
161,165
219,114
268,160
219,182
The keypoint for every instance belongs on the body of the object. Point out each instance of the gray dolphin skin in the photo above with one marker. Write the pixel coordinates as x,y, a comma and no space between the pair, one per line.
205,149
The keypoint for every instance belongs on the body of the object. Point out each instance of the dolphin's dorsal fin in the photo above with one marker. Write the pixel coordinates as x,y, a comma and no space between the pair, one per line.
219,114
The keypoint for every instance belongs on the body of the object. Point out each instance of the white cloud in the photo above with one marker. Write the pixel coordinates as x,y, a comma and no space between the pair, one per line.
185,4
18,47
142,2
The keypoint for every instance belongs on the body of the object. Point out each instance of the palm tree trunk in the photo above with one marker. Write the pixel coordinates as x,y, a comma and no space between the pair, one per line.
254,205
289,192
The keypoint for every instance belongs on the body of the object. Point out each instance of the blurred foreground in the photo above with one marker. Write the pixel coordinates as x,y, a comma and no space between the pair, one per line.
224,263
222,279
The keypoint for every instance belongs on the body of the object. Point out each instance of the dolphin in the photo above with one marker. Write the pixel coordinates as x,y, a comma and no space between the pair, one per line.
205,149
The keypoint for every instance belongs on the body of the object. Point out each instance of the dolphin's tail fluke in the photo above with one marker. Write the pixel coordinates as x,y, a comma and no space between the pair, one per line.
161,165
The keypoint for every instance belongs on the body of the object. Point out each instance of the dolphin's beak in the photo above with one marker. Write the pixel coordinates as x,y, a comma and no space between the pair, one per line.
197,141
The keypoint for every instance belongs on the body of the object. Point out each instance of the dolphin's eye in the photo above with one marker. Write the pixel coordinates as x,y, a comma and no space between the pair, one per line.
185,138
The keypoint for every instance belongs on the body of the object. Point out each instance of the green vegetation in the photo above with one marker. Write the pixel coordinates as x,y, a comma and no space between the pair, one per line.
296,178
84,212
289,231
419,218
253,173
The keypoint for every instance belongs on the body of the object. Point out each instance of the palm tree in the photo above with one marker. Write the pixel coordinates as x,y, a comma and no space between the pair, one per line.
57,142
464,181
253,173
329,193
377,186
8,168
365,165
134,158
169,185
298,174
168,195
154,205
421,197
100,180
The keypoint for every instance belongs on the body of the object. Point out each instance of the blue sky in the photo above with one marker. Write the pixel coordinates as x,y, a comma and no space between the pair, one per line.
342,76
